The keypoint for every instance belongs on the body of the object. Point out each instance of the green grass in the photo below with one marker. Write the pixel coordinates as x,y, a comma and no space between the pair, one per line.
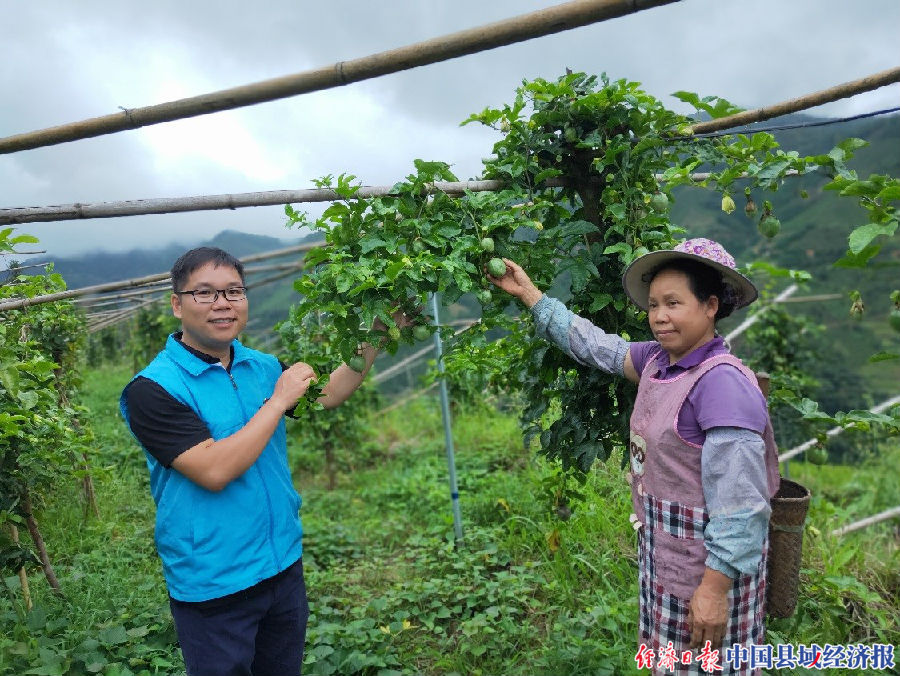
392,593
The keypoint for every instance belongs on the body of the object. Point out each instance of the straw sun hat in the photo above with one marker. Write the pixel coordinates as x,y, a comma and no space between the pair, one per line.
738,289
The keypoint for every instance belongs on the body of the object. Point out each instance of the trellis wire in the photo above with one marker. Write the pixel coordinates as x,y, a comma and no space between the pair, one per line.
20,303
835,93
489,36
162,286
126,313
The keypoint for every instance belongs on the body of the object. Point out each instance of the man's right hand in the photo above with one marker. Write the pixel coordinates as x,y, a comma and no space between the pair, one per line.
292,384
517,283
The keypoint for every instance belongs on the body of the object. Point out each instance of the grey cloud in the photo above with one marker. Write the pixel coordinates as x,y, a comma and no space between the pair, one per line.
67,61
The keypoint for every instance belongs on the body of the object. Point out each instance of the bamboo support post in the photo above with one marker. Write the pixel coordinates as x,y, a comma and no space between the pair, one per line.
489,36
868,521
834,431
841,91
161,287
407,399
106,318
752,319
170,205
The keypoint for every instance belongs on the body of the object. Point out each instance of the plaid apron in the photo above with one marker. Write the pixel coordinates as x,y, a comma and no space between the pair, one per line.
663,617
670,517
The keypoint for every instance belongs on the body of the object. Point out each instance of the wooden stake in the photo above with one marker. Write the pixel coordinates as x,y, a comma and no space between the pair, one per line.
23,574
38,541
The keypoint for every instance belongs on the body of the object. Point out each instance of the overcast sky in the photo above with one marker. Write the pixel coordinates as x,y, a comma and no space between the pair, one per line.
63,61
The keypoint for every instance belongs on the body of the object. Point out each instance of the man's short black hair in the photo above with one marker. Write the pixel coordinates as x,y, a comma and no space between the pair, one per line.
197,258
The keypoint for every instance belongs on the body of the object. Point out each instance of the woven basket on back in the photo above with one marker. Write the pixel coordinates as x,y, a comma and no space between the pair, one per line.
789,507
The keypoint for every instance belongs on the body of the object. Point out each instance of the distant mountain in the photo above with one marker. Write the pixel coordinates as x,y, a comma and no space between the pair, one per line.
813,237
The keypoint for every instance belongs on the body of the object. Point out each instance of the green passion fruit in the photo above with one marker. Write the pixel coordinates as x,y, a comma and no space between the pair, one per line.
817,455
487,244
894,319
769,226
357,363
659,202
421,332
496,267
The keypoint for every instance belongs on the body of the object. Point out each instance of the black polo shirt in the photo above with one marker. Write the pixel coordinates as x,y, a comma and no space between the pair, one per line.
161,423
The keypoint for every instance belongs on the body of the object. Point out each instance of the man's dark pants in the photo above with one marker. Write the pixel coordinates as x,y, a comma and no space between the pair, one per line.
260,631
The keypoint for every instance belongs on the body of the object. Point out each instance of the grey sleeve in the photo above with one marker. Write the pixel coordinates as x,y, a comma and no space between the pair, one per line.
579,338
733,469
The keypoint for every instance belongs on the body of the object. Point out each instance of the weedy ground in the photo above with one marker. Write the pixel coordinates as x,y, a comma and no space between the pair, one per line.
392,592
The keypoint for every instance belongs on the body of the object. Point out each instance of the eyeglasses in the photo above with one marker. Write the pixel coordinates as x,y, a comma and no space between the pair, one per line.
232,293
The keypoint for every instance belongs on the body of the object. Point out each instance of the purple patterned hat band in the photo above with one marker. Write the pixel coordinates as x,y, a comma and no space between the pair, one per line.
707,248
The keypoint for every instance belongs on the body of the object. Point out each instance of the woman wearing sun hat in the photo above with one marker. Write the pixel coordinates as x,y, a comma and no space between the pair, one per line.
704,465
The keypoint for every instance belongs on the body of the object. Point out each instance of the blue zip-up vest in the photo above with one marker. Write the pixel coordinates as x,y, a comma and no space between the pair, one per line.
213,544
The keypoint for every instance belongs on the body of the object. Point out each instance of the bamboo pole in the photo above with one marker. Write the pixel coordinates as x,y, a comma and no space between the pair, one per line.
868,521
168,205
20,303
393,370
407,399
834,431
841,91
116,316
171,205
489,36
752,319
38,541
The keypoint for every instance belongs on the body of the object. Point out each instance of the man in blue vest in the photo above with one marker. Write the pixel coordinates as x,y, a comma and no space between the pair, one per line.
209,414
